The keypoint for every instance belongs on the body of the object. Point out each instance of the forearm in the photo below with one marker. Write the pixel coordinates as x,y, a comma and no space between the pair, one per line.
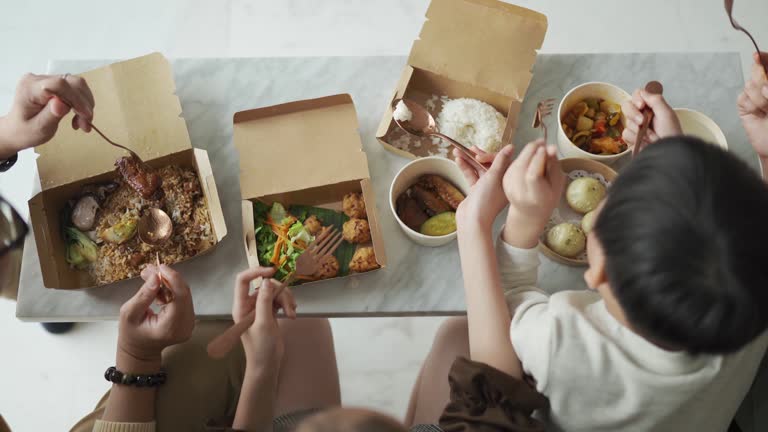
521,232
256,406
487,312
128,403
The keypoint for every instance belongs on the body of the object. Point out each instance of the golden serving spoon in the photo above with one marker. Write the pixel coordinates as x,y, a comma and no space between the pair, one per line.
422,124
155,227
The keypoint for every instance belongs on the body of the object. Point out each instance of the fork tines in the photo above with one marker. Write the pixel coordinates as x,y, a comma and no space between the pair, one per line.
326,242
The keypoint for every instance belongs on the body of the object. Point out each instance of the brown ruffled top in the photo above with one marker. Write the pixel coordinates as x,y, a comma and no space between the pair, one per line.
484,399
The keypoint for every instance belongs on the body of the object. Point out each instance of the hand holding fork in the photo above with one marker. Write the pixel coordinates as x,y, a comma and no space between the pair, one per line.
307,264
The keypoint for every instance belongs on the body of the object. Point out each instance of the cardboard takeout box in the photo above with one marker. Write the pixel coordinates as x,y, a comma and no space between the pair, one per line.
136,107
480,49
305,152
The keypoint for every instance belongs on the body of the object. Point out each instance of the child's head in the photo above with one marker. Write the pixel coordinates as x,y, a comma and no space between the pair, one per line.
680,248
350,420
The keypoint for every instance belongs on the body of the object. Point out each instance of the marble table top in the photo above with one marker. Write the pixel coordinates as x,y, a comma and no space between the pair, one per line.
418,280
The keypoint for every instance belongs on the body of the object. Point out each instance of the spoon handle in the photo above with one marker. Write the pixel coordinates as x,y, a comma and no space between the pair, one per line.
653,87
93,126
223,343
457,145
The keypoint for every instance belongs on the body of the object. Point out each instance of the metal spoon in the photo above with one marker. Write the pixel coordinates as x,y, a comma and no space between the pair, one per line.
422,124
93,126
653,87
155,227
737,26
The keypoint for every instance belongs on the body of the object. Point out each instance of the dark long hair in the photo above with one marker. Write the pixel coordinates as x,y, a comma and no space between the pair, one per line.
685,234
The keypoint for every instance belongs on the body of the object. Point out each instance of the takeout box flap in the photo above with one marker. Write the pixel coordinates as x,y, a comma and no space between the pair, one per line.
486,43
298,145
135,106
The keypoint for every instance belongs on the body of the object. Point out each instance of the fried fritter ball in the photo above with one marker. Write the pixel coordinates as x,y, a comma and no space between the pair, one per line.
364,260
329,268
354,206
357,231
313,225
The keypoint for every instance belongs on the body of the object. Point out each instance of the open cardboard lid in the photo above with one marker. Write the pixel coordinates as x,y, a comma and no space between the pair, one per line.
486,43
135,106
298,145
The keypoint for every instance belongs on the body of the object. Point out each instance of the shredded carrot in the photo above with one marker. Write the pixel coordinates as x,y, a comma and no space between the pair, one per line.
276,253
282,261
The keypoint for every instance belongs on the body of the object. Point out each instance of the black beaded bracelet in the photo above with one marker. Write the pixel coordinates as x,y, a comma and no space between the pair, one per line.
154,380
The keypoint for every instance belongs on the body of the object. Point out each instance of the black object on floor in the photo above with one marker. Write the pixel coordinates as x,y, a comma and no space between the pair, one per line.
734,427
58,328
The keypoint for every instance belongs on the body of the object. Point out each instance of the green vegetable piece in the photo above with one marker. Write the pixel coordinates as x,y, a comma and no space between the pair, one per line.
439,225
277,212
592,103
81,250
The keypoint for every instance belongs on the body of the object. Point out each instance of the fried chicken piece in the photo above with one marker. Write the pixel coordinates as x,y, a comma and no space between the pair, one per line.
429,201
356,231
354,206
329,268
313,225
363,260
139,177
444,189
409,212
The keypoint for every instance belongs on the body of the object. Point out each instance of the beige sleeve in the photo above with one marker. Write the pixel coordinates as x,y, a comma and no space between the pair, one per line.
104,426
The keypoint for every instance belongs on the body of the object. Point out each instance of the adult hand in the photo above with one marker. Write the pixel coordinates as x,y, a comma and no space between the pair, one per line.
533,185
665,122
753,107
486,196
143,334
262,342
37,108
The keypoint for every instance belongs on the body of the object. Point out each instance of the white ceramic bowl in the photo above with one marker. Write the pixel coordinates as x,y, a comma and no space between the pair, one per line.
699,125
407,176
577,94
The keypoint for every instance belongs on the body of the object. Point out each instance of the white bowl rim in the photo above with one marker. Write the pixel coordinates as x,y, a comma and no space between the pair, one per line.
560,123
718,129
392,203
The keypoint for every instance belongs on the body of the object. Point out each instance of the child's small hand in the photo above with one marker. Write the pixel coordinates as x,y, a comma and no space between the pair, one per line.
753,107
665,122
486,197
533,185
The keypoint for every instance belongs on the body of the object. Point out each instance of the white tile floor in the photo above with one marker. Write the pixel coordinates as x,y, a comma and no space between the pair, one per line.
47,382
